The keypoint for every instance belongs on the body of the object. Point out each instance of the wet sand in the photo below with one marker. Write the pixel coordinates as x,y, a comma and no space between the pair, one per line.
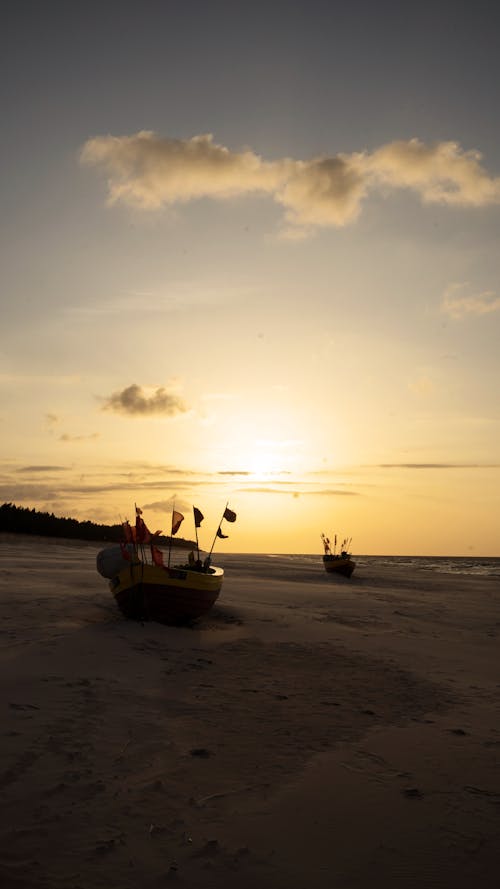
309,732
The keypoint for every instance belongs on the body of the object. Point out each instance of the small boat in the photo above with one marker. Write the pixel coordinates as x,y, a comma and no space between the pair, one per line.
143,590
338,563
175,595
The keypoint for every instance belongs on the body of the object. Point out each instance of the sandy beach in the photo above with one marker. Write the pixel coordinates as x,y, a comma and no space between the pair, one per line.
309,732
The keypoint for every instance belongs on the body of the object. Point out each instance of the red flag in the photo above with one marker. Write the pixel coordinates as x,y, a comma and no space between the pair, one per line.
157,556
177,518
125,552
127,531
198,517
142,534
229,515
220,534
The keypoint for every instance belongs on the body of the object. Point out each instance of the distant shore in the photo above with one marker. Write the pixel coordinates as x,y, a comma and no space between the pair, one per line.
307,732
178,543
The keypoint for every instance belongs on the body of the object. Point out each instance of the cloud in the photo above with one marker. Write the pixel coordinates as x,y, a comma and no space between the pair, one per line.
30,469
238,472
459,302
134,401
160,505
441,173
33,494
66,437
296,491
324,192
438,466
150,172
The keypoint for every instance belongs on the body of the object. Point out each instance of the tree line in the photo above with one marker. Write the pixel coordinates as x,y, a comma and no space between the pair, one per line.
23,520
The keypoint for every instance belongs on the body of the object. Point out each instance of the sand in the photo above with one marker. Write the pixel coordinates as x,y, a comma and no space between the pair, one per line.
309,732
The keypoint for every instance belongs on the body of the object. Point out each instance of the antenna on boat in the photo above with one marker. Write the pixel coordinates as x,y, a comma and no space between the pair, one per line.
171,535
229,516
217,533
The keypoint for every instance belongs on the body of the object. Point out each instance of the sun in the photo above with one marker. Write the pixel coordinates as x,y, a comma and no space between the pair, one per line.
263,464
269,459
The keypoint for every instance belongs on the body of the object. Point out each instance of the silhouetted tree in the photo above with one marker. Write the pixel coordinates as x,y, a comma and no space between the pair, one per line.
23,520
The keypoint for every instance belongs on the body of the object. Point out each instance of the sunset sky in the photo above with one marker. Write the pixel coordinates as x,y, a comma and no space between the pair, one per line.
251,255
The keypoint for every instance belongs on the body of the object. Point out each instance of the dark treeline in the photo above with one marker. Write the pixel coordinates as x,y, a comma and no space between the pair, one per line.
22,520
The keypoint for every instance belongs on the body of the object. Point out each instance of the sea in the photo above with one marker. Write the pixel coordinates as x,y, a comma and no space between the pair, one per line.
480,566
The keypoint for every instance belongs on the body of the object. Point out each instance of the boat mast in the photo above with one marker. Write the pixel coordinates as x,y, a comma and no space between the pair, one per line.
218,530
171,534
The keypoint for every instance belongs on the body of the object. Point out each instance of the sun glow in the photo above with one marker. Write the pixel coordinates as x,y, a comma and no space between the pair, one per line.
262,466
269,459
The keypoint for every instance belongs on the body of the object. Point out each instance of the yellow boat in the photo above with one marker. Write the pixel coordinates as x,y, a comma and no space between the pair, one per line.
175,595
154,590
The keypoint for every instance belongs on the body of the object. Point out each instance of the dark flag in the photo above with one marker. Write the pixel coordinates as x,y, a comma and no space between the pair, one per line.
177,518
220,534
229,515
142,534
198,517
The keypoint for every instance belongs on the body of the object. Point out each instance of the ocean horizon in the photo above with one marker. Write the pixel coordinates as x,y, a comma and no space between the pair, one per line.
484,566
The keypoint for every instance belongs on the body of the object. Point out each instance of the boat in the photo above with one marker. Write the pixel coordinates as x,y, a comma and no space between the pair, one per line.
152,590
338,563
174,595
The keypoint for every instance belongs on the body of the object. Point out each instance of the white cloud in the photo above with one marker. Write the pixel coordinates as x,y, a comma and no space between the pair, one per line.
150,172
440,173
459,302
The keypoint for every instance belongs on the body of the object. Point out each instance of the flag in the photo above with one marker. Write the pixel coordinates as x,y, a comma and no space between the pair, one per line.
142,534
198,517
127,531
125,552
229,515
220,534
138,511
157,556
177,518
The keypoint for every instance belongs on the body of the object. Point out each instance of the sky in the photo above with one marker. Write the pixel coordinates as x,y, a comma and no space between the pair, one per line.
250,256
